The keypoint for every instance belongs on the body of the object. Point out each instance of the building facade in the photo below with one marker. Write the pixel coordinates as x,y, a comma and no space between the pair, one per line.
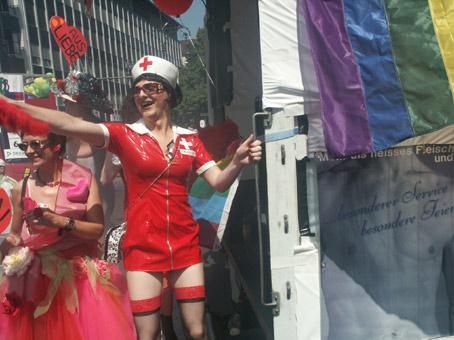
118,33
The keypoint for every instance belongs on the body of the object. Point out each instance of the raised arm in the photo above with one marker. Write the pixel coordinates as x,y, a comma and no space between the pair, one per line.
63,123
247,153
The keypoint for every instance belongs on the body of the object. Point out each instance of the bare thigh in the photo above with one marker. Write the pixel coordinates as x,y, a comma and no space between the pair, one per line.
192,311
188,277
143,286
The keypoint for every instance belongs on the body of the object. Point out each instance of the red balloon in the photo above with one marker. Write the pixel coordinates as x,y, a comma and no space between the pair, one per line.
173,7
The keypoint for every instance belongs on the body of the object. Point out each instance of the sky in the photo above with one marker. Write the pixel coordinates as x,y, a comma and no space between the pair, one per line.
193,17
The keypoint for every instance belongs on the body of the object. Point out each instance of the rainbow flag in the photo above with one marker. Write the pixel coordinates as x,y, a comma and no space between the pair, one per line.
385,69
211,210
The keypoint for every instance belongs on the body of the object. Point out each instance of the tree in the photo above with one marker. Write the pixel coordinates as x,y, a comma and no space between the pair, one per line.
193,84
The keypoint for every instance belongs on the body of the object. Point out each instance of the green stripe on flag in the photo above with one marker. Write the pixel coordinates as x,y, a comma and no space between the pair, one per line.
420,65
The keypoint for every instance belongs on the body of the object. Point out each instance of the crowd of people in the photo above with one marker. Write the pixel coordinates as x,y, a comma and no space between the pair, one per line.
55,286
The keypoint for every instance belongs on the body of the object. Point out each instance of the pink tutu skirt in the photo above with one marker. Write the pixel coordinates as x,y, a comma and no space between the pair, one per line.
77,299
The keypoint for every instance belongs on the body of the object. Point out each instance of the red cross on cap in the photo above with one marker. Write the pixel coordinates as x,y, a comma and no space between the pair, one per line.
144,65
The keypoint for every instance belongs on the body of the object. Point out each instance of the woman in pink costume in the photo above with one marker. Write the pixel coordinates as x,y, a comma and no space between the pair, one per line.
157,159
65,292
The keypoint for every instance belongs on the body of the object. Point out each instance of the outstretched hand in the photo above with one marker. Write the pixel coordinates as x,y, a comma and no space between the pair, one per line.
248,152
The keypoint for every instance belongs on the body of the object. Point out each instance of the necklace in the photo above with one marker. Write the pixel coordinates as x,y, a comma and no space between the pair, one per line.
50,183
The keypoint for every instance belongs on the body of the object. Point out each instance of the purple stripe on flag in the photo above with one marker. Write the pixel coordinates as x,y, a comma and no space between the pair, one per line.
344,114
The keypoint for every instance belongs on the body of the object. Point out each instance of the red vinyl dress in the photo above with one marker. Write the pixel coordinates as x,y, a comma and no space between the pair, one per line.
161,233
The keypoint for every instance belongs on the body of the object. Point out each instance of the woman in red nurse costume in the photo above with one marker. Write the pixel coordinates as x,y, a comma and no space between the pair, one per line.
157,158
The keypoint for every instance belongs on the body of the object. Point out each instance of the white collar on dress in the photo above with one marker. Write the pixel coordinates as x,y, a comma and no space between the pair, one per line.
141,129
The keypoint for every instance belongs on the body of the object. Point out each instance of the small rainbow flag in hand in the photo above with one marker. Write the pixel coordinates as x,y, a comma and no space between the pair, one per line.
385,69
211,209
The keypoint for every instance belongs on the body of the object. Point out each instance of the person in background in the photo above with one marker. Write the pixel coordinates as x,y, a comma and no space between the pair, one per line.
157,158
83,96
55,287
6,183
114,205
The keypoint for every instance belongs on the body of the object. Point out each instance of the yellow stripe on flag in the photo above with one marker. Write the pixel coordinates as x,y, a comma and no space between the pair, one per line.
443,19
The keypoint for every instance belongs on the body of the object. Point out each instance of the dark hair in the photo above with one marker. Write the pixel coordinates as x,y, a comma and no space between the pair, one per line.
176,96
128,109
54,139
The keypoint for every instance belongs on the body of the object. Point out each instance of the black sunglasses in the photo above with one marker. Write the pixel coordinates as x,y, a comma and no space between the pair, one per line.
34,144
148,88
